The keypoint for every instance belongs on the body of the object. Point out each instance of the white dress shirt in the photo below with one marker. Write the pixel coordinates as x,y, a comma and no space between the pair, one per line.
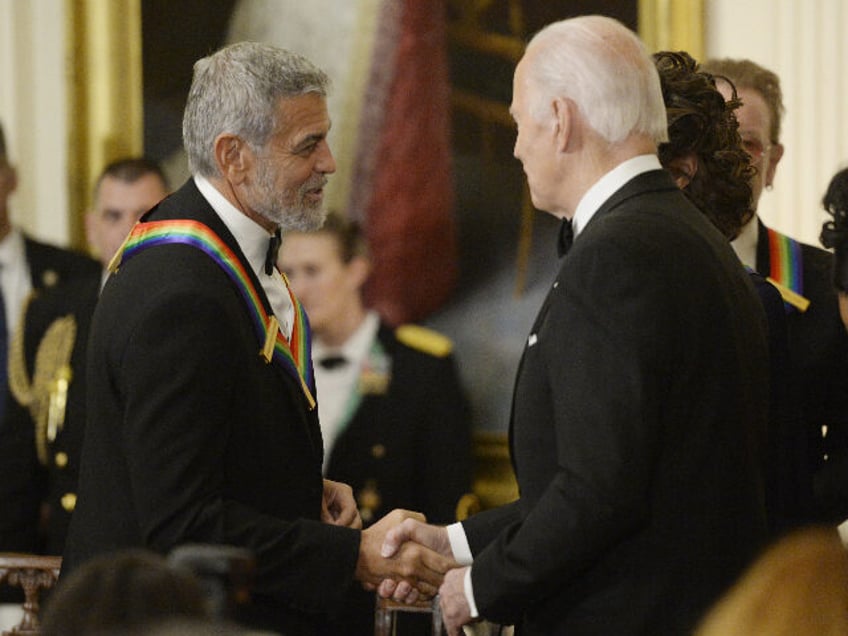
337,386
589,204
15,277
253,239
745,245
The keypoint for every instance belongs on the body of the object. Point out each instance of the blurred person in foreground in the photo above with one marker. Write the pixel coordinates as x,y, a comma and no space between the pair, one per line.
128,592
40,452
798,587
641,398
202,423
705,156
818,343
394,419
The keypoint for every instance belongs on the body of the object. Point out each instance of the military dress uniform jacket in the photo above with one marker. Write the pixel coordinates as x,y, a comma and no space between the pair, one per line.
56,322
639,408
52,269
50,265
192,437
818,346
407,444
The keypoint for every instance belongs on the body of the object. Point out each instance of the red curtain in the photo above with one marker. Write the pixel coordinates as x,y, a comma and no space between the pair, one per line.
405,183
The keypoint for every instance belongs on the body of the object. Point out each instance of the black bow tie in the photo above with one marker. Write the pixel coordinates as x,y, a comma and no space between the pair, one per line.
566,237
273,250
331,362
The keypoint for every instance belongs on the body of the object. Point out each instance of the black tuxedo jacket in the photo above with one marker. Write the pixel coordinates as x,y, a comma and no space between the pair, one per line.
192,438
638,415
818,346
788,478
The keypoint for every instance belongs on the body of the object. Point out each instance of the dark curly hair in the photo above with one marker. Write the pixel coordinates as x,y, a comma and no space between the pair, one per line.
702,123
835,232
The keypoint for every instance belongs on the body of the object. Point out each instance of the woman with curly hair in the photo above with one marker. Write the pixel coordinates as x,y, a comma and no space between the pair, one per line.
704,153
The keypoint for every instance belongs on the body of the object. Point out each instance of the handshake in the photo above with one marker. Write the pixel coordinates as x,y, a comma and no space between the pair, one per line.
406,559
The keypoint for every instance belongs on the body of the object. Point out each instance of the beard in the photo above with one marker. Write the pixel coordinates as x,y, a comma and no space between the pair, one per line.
289,209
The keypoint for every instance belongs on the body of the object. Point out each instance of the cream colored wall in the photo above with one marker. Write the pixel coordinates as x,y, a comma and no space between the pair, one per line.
804,42
32,109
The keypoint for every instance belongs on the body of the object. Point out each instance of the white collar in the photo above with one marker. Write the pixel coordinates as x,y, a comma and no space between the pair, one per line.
251,237
745,245
357,346
608,185
12,248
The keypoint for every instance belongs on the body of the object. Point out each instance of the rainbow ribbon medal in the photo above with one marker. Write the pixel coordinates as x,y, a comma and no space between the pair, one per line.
786,268
295,355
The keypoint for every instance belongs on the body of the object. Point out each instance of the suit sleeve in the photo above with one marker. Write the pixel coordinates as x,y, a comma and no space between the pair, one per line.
177,429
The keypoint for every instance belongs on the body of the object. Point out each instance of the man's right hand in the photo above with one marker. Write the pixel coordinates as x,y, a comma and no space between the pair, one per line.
412,529
418,566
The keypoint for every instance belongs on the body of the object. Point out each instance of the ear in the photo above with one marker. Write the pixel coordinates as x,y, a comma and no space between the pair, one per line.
359,269
90,228
11,176
683,169
234,157
775,155
563,113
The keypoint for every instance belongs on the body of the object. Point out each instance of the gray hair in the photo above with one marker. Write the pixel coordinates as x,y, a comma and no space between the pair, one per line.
236,90
605,69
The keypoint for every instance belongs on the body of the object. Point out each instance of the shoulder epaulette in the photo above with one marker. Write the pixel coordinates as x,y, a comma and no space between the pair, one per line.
424,340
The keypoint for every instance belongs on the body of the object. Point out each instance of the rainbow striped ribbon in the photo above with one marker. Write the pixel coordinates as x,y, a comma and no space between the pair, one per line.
786,263
295,355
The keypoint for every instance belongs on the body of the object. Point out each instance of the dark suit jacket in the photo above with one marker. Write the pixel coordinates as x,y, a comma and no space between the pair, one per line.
406,447
818,346
56,483
789,485
638,413
192,438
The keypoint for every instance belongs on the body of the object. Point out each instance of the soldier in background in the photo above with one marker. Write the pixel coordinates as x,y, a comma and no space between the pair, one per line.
394,419
39,455
26,266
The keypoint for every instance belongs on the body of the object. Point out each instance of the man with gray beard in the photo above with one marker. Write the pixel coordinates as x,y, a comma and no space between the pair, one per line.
202,422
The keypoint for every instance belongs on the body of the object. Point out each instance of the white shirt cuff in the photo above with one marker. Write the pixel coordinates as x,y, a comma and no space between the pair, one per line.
462,554
469,594
843,532
459,544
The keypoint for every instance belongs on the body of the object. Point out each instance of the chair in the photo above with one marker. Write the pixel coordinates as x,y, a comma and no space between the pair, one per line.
32,573
387,609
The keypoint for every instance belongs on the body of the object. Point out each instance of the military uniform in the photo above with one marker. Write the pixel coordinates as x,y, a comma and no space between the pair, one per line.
48,418
405,441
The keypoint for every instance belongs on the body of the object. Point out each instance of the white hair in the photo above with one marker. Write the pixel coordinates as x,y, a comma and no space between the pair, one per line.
604,68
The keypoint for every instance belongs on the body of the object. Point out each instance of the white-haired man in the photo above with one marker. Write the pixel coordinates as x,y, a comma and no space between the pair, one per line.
640,400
